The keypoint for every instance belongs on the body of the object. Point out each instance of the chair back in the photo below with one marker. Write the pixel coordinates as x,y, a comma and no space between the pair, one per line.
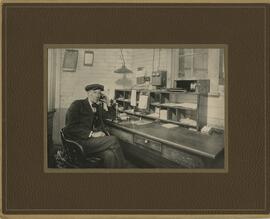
73,150
73,156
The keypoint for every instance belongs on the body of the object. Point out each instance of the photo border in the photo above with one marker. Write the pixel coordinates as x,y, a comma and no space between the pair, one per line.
156,216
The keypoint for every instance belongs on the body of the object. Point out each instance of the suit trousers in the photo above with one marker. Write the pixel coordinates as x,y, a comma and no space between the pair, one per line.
108,148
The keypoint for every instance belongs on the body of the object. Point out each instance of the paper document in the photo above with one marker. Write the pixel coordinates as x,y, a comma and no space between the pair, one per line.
88,58
133,98
188,121
141,122
143,102
169,125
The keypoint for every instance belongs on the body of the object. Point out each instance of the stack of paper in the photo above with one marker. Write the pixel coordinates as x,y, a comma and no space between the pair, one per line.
156,115
188,121
163,114
169,125
130,111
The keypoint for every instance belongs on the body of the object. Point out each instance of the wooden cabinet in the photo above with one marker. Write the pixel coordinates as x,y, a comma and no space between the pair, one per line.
182,108
175,107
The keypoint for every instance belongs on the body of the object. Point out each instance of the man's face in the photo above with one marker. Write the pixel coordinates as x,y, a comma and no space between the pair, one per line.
94,95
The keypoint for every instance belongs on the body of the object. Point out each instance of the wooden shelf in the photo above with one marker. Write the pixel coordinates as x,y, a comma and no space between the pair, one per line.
179,105
173,107
156,118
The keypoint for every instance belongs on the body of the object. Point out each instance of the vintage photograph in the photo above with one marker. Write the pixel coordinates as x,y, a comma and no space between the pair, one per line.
136,106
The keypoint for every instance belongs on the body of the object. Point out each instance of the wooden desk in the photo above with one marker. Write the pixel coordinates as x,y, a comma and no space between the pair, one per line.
162,147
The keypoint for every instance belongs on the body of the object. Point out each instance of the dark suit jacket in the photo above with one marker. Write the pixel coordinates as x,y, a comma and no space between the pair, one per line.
80,118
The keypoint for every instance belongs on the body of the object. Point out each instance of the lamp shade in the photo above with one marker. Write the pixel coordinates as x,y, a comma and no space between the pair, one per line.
123,70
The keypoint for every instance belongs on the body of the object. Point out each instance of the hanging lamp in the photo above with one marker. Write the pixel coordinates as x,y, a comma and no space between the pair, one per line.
123,69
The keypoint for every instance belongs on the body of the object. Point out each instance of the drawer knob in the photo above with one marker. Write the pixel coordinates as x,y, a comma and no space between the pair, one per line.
146,141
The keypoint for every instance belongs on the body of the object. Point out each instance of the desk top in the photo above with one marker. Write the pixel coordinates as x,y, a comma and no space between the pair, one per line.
205,145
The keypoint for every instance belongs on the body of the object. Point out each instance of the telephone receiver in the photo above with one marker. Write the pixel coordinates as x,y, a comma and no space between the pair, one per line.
102,98
103,101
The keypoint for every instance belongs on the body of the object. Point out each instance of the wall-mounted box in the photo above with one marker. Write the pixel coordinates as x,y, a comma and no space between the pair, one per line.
159,78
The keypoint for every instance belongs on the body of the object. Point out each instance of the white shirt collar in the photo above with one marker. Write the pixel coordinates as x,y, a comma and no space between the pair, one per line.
93,108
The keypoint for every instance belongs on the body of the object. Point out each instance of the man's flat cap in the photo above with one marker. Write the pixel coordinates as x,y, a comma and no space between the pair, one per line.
94,87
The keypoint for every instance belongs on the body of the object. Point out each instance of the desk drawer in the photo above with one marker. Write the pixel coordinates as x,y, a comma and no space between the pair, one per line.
182,158
154,145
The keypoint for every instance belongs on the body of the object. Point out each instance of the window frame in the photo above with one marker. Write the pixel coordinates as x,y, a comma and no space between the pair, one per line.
175,61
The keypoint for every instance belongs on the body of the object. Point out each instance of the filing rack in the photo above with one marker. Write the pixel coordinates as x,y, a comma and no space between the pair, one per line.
183,108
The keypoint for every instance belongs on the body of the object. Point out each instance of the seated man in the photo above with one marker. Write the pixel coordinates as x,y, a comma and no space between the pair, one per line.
85,125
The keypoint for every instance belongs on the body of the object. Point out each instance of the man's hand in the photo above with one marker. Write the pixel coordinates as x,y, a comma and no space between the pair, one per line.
105,99
98,134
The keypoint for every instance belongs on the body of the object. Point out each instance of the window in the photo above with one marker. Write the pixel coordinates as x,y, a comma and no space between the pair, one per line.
193,63
221,67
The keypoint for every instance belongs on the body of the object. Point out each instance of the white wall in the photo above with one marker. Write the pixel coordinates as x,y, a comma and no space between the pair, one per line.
105,62
153,60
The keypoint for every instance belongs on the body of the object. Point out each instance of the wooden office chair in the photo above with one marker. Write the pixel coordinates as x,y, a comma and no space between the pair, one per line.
72,155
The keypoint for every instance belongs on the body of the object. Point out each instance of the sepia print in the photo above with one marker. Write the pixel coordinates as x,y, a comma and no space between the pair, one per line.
152,107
